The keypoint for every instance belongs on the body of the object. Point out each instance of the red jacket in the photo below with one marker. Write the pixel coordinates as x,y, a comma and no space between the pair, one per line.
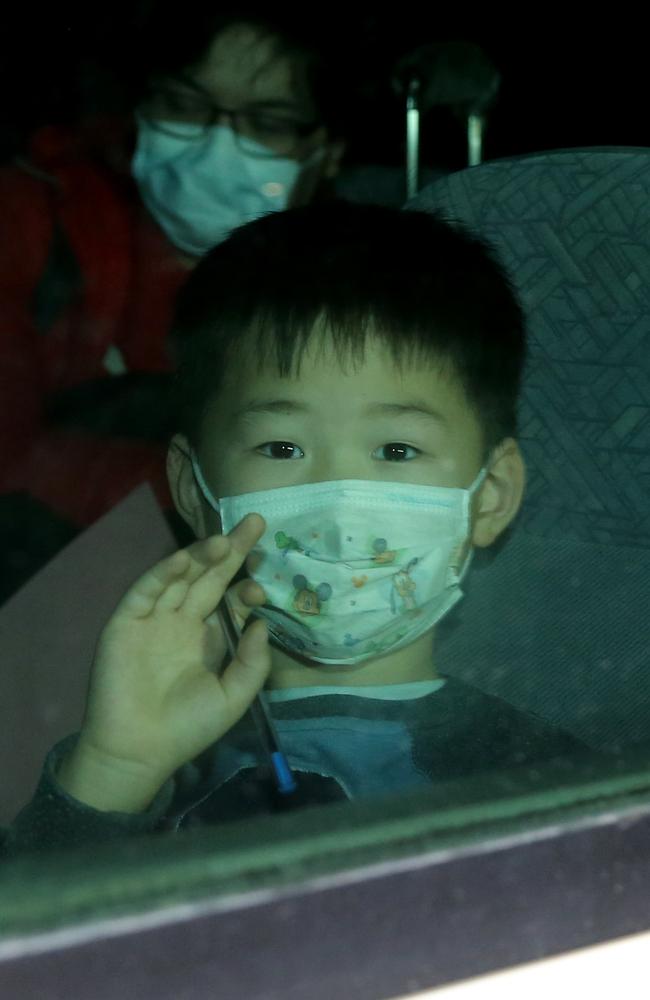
82,268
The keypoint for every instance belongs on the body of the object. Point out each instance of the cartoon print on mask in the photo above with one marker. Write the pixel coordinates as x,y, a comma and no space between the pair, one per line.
405,586
307,599
287,544
382,554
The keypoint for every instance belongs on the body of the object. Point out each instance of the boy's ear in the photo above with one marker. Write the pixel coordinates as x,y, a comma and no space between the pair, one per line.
499,498
184,489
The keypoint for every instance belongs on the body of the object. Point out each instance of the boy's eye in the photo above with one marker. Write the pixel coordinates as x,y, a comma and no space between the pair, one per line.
396,452
280,449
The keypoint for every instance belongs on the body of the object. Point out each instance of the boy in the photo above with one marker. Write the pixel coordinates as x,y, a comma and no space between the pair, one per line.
347,384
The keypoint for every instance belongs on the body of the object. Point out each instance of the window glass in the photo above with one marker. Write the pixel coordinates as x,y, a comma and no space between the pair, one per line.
449,452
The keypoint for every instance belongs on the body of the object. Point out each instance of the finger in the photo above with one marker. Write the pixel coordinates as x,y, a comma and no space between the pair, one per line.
140,599
173,596
245,675
207,590
246,532
204,552
244,597
201,556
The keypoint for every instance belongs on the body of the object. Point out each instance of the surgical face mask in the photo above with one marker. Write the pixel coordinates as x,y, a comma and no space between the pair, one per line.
354,569
200,189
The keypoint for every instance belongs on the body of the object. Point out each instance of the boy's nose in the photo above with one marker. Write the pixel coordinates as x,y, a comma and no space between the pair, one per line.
328,472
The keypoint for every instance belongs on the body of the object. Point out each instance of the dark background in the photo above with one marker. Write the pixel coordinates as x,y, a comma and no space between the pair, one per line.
563,84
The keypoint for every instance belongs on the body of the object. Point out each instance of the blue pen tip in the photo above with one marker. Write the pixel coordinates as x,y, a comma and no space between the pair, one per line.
285,779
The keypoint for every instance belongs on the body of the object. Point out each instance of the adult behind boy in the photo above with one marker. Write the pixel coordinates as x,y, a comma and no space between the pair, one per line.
351,374
234,114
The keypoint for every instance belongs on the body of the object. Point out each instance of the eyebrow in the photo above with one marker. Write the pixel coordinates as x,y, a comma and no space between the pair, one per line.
290,407
278,103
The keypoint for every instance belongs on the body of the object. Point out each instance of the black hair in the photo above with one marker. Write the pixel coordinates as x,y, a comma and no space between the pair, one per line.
325,59
432,291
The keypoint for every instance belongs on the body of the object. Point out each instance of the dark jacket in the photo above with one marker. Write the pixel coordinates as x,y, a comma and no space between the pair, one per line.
457,731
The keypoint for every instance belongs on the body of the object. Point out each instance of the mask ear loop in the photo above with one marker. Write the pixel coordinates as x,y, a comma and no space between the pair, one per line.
471,490
203,486
478,482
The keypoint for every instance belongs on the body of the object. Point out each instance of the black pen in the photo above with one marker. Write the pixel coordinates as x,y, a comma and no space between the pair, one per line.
286,783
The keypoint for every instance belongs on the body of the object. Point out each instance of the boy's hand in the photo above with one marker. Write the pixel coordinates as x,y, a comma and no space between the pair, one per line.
156,697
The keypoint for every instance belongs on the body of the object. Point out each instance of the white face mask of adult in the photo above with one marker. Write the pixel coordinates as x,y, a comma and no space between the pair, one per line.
199,190
354,569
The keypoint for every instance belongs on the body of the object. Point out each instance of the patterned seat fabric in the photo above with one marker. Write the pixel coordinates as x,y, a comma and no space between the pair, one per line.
556,622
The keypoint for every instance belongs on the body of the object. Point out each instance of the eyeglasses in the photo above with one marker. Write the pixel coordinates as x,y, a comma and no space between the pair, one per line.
179,107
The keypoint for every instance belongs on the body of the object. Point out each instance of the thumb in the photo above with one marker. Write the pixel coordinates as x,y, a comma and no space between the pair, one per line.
245,675
243,597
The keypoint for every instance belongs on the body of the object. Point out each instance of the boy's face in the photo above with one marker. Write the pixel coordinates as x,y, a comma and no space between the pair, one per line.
360,421
365,421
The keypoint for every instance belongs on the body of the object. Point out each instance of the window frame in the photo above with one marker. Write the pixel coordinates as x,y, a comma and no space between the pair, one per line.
365,899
